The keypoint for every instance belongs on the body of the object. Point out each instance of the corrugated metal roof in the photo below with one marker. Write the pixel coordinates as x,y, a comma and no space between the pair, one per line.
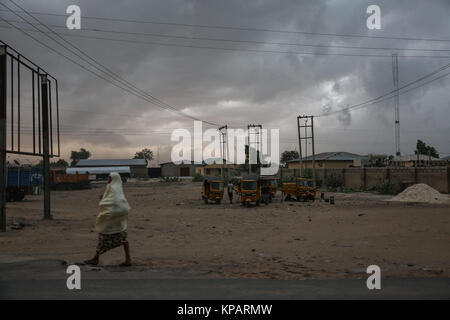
414,157
111,162
98,170
332,156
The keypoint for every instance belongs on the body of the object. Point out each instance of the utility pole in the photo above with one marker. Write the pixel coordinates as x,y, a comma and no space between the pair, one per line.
3,163
397,103
306,138
257,129
223,131
46,145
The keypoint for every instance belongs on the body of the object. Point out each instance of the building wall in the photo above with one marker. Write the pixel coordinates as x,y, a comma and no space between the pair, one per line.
172,170
139,171
321,164
367,178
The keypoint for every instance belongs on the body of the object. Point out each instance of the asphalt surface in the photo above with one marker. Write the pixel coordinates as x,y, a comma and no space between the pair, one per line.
46,279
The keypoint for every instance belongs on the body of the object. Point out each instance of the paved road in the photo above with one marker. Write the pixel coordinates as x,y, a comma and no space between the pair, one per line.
46,279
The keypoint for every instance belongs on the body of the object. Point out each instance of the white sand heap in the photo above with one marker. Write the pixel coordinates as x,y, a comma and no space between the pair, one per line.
420,193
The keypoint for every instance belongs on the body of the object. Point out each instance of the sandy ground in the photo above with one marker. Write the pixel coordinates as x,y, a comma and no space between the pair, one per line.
171,228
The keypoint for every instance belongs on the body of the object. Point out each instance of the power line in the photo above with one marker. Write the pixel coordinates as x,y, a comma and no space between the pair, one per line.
144,96
248,50
247,28
390,95
242,41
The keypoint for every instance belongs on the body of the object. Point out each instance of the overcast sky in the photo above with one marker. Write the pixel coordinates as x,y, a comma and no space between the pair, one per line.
242,87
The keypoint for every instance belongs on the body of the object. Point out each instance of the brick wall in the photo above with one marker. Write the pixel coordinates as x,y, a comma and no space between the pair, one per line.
367,178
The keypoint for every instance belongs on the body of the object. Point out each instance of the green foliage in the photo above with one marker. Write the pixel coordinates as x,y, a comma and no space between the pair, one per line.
289,179
423,148
169,179
307,173
197,177
76,156
60,163
388,187
146,154
335,181
288,155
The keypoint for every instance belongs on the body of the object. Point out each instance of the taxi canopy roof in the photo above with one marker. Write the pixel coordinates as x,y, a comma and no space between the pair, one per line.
211,179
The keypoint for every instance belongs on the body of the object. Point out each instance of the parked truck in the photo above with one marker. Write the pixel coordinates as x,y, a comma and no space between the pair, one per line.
61,180
21,181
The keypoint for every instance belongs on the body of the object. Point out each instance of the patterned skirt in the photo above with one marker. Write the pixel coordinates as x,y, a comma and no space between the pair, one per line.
107,242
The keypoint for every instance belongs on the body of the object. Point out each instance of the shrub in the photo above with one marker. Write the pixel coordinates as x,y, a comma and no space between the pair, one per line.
334,181
169,179
197,177
388,187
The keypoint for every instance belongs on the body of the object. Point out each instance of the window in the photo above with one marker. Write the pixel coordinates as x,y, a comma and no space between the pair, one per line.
249,185
217,185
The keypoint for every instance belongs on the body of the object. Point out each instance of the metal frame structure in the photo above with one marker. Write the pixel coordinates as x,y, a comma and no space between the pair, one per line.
223,132
43,132
306,138
258,137
396,103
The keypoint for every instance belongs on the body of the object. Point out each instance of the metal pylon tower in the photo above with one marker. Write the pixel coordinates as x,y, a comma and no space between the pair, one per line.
223,132
396,103
256,130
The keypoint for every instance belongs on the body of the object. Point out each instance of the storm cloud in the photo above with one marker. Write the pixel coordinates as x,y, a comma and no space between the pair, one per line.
242,87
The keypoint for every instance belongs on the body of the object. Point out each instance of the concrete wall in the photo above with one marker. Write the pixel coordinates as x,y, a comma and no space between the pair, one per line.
172,170
139,171
367,178
322,164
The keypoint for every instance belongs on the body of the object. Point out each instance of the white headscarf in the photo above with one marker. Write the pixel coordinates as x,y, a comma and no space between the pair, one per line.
114,208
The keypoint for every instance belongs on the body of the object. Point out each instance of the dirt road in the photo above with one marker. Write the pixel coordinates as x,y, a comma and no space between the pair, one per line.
171,228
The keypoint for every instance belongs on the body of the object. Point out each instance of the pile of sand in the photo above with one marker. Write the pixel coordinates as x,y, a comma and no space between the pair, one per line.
420,193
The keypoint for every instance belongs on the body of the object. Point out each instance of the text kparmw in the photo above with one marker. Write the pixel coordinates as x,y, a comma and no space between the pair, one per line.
226,309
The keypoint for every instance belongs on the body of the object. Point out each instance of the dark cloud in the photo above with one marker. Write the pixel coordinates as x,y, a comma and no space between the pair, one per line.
246,87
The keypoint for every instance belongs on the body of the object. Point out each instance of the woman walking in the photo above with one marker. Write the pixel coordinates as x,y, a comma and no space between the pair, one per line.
112,220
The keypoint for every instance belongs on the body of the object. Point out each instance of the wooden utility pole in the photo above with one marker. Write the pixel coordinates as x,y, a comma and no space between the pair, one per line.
3,163
46,145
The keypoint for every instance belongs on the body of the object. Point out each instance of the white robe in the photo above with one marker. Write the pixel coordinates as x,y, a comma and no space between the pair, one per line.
114,208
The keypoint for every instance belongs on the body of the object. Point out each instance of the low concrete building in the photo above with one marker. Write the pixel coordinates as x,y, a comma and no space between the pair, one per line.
328,160
138,167
213,167
417,160
185,169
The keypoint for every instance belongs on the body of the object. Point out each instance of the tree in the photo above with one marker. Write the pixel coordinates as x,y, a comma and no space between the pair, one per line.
288,155
76,156
60,163
146,154
422,148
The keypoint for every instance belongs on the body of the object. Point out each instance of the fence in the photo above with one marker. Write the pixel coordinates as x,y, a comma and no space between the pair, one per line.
368,178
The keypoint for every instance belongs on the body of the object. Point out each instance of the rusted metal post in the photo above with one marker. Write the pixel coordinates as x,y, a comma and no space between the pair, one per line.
3,163
46,146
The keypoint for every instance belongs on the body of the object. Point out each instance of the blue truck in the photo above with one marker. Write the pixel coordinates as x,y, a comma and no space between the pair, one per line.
21,181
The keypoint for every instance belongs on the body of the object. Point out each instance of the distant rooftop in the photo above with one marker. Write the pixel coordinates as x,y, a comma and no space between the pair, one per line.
332,156
414,157
111,162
